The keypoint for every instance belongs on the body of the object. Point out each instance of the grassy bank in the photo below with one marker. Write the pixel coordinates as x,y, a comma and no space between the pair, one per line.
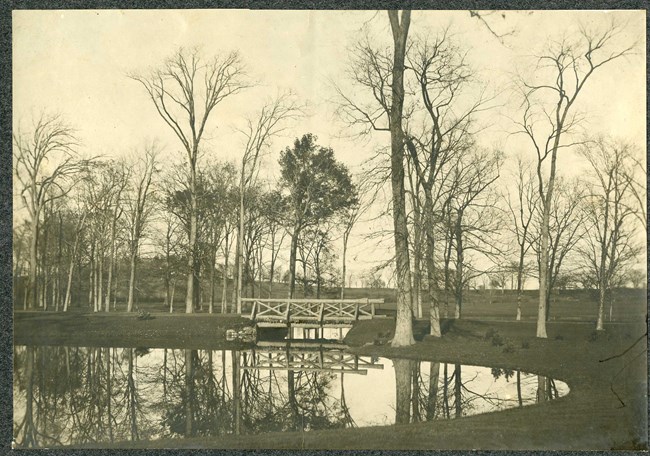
606,408
121,329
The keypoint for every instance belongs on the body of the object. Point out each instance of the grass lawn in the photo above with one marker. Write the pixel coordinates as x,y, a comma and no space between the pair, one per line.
122,329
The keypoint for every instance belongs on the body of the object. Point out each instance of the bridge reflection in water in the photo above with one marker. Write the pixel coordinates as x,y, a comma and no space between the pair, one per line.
98,396
307,357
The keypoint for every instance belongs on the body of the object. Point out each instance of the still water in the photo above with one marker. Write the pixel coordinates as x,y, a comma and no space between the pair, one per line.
76,395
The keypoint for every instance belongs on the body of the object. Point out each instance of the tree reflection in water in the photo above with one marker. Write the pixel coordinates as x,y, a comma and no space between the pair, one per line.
73,395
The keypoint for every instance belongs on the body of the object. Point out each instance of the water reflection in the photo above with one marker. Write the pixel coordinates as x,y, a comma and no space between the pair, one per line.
74,395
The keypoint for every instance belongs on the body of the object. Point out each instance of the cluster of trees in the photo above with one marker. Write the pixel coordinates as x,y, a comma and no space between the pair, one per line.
100,219
448,215
452,221
94,216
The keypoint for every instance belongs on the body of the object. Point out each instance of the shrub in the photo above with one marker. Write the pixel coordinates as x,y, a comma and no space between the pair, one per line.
525,344
509,347
494,336
144,315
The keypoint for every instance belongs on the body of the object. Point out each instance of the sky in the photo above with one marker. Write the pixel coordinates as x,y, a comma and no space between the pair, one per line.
76,62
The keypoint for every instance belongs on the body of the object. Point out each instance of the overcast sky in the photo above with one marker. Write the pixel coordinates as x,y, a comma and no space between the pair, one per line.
76,63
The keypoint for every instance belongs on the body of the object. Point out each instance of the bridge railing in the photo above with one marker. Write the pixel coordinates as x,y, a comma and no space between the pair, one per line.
317,311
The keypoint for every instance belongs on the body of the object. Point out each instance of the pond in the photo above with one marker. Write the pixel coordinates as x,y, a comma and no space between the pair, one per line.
77,395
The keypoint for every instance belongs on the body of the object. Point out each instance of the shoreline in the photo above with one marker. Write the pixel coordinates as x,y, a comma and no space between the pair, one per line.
589,417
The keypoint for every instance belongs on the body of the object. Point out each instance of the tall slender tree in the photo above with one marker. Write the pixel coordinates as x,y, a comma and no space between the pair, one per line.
549,117
139,203
45,161
185,91
609,206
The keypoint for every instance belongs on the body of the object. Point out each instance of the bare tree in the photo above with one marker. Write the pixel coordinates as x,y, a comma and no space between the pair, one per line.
403,323
349,217
275,210
119,175
474,220
381,74
522,211
45,160
139,210
442,79
610,208
271,121
566,229
637,176
562,72
185,90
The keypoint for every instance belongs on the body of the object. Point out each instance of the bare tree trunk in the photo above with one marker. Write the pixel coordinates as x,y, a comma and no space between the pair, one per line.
45,267
111,265
171,297
404,320
459,270
33,263
602,293
520,280
212,287
343,268
417,261
543,271
224,295
133,262
190,297
318,279
292,261
91,273
237,273
68,291
97,266
304,277
272,265
240,246
100,282
434,310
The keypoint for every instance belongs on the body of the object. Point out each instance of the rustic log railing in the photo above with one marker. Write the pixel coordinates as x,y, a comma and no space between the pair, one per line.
308,359
309,312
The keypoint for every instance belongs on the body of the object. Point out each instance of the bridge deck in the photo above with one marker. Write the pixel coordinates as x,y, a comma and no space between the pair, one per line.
309,313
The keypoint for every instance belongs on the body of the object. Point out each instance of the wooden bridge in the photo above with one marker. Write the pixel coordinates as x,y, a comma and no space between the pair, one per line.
309,313
306,357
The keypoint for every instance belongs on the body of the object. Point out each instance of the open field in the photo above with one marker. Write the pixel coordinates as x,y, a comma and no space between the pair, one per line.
628,304
605,409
